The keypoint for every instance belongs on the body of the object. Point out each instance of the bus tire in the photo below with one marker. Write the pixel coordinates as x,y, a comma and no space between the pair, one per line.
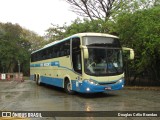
38,81
67,87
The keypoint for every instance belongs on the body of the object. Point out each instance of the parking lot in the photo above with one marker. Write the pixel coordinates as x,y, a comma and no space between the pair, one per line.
27,96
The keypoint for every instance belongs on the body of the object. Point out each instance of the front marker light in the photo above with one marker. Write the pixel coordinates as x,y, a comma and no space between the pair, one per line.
120,80
88,89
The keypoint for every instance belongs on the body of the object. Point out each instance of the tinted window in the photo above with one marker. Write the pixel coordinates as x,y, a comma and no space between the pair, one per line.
58,50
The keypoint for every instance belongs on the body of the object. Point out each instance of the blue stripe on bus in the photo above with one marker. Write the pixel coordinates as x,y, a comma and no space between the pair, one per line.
55,63
52,81
35,65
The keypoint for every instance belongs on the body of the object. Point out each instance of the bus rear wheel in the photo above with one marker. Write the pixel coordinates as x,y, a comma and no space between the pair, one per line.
67,87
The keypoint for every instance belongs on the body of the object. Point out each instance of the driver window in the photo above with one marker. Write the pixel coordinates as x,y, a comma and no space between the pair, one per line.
76,55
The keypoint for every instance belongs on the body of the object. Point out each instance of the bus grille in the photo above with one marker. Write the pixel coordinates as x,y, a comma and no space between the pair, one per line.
107,83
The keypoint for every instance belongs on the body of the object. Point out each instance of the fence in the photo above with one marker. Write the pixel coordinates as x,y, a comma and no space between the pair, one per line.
11,76
141,79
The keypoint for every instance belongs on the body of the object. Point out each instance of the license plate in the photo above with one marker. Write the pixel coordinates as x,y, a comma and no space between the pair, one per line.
107,88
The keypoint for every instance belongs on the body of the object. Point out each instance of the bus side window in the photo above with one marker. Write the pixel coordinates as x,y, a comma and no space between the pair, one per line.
36,57
61,49
53,53
65,48
43,55
76,55
33,57
49,53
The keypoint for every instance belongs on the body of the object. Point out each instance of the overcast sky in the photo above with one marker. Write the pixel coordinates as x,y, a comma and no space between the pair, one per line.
36,15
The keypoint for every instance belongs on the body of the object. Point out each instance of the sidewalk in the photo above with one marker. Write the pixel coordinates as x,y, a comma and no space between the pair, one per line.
157,88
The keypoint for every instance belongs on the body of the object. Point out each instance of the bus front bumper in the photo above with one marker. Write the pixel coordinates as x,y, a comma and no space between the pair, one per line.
88,86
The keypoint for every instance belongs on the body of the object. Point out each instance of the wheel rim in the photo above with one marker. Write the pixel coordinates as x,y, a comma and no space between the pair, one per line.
68,86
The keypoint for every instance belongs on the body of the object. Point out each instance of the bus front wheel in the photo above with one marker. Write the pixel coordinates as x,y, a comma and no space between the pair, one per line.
67,87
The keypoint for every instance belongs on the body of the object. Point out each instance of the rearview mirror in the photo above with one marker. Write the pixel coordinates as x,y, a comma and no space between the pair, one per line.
131,52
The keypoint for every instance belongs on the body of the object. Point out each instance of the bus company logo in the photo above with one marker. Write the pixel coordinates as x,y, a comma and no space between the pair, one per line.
46,64
6,114
41,65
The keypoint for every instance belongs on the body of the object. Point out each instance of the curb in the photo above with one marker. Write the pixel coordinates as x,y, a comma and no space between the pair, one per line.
141,88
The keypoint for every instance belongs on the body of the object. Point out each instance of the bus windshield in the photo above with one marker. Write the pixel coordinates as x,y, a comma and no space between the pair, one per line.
103,62
105,56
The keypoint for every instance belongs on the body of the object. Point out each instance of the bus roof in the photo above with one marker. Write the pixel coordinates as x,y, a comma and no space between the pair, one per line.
95,34
75,35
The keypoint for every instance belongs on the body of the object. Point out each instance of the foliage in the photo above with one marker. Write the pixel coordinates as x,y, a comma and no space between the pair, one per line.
140,31
35,40
16,44
78,26
101,19
55,32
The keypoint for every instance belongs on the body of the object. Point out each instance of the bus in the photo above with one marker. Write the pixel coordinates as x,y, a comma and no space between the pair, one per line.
84,63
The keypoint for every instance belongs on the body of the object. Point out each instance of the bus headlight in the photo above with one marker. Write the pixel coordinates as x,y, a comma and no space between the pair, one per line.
92,82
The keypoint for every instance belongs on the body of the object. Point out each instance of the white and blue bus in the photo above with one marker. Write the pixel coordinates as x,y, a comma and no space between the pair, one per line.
84,62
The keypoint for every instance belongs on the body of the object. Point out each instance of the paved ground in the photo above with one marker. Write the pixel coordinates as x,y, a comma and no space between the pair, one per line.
27,96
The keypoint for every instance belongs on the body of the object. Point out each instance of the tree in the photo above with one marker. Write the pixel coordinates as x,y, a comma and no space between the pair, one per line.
16,45
56,32
11,42
36,41
98,9
85,25
140,31
156,2
107,9
77,26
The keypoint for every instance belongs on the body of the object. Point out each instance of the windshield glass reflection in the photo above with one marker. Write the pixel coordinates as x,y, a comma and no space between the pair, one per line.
102,61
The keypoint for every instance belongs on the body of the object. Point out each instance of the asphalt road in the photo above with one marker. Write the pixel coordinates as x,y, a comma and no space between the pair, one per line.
27,96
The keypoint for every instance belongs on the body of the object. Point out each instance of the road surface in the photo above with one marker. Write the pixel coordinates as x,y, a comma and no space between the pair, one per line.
27,96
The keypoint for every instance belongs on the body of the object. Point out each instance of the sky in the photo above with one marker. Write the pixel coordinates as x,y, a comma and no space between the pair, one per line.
36,15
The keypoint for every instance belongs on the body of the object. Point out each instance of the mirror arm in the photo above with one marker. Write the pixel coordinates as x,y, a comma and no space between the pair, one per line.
85,51
131,52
